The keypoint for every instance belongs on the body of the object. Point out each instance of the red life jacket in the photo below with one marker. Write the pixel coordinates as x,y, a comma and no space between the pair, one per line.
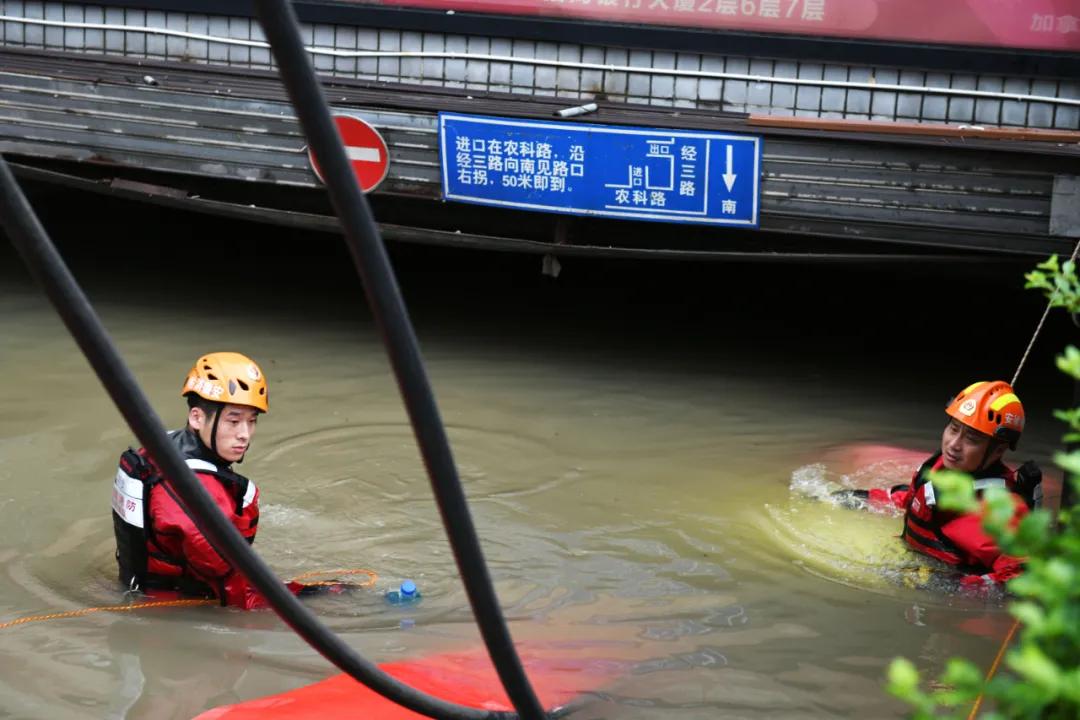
144,563
924,520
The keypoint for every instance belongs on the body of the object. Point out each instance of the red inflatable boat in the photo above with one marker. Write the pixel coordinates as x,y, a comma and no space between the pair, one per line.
467,678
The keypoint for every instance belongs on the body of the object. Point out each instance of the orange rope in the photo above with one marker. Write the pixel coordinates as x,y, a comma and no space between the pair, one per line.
371,576
994,667
109,608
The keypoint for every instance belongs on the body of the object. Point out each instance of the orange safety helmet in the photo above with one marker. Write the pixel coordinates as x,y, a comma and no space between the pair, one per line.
228,377
991,408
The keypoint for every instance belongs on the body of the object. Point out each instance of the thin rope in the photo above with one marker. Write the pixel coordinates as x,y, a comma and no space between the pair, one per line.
1039,327
109,608
188,602
993,669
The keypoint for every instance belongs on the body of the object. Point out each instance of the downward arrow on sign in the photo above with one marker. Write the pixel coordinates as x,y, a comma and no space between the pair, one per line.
729,177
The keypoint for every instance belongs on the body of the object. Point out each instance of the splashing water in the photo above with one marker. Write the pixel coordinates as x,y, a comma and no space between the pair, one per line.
816,482
849,542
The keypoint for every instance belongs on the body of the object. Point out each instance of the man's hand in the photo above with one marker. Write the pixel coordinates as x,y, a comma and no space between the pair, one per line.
854,499
877,498
977,581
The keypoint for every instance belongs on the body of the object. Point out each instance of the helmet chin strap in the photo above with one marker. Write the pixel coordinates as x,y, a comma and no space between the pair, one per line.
990,447
213,432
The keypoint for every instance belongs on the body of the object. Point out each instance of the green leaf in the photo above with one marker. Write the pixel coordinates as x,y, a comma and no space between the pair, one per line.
1000,509
1033,532
1035,280
1025,586
1069,362
903,678
963,676
1030,614
1050,264
1034,666
1060,573
1070,686
954,490
1072,417
1070,462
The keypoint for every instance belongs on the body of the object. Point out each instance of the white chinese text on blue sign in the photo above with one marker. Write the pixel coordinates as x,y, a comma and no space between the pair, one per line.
655,174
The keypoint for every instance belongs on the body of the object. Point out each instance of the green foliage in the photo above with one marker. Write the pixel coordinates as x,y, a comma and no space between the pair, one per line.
1042,679
1058,282
956,491
1069,362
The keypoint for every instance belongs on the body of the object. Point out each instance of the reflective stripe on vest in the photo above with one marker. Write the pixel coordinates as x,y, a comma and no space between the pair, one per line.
127,496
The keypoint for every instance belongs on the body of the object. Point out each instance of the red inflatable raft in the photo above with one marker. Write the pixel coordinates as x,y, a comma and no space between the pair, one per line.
467,678
856,457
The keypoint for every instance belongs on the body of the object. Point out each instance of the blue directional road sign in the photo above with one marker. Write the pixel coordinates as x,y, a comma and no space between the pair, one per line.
684,176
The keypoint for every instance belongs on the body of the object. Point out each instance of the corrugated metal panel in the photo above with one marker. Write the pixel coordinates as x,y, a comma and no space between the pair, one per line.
161,130
968,191
1065,206
571,84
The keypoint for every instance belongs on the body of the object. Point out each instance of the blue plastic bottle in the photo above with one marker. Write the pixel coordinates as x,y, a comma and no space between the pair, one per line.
407,593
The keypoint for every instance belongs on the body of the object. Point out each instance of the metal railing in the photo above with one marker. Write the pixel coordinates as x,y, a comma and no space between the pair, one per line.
741,84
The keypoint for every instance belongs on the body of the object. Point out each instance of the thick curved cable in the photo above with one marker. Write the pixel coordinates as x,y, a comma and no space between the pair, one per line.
41,257
361,235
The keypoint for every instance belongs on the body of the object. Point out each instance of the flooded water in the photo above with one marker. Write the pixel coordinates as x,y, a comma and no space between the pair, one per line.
641,446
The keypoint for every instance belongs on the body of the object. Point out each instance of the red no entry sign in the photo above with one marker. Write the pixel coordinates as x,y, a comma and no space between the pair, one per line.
366,150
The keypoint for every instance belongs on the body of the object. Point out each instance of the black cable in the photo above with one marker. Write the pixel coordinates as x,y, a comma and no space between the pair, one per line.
41,257
282,32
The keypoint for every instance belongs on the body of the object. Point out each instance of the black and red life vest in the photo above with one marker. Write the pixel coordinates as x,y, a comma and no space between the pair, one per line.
143,562
924,520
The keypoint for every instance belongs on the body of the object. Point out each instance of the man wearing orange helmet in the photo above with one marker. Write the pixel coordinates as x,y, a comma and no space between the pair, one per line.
158,547
985,419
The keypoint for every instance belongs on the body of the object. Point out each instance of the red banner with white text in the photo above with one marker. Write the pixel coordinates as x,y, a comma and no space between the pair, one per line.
1034,24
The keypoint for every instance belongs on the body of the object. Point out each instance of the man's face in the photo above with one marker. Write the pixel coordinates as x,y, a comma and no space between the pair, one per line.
234,433
963,449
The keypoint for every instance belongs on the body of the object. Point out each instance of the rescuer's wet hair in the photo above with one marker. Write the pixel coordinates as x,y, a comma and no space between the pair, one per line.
207,406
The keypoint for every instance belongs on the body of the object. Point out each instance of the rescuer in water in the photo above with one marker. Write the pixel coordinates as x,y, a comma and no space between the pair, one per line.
158,547
985,419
